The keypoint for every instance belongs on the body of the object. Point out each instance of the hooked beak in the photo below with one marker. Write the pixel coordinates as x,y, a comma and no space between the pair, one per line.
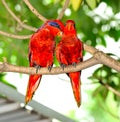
59,33
70,26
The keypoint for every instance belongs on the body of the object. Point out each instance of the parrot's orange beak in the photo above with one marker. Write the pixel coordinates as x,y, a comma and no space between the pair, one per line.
59,33
70,26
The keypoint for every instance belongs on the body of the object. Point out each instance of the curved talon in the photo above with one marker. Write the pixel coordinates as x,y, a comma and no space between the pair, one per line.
37,68
74,64
63,66
49,68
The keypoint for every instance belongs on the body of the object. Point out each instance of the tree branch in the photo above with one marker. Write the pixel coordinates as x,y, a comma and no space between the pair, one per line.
17,19
103,58
110,88
63,9
35,12
5,67
107,60
14,36
99,55
89,49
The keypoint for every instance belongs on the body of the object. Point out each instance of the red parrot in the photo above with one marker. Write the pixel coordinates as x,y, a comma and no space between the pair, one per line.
41,52
69,52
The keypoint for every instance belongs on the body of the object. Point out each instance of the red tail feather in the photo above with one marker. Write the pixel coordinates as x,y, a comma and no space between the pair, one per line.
75,82
33,84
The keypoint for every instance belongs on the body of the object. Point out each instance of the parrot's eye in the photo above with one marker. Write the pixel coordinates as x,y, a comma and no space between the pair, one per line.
54,24
74,25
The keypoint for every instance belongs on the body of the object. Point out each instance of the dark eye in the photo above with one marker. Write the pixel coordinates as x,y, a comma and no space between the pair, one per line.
54,24
74,25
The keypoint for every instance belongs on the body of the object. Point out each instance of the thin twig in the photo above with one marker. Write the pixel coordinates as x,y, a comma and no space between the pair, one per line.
35,11
14,36
5,67
17,19
63,9
110,88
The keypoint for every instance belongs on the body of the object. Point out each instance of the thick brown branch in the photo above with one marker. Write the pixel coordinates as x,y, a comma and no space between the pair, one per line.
35,11
63,9
90,49
14,36
5,67
99,55
107,60
103,58
17,19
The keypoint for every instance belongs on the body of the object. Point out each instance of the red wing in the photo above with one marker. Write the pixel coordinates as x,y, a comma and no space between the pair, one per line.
61,57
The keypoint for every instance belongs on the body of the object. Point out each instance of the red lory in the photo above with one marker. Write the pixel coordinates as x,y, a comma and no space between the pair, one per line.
69,52
41,52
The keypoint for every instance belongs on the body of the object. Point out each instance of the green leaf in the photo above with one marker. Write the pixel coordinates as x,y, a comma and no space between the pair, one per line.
76,4
91,3
114,4
56,61
114,33
103,41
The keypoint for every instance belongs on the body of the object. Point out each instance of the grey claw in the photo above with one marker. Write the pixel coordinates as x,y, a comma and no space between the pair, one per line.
63,66
74,64
37,68
49,68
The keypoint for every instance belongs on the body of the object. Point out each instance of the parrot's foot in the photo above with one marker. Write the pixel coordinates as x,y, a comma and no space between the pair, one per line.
37,68
63,66
49,68
74,64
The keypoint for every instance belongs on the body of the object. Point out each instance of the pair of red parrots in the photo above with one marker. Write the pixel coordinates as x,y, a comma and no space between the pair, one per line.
43,47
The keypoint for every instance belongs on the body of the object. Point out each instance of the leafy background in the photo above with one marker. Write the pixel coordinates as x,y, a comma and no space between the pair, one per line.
95,26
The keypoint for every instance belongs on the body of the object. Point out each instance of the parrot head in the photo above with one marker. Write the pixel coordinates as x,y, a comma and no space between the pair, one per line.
70,27
55,26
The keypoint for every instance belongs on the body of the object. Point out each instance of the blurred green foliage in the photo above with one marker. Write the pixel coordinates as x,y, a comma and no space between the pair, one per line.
2,79
95,19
